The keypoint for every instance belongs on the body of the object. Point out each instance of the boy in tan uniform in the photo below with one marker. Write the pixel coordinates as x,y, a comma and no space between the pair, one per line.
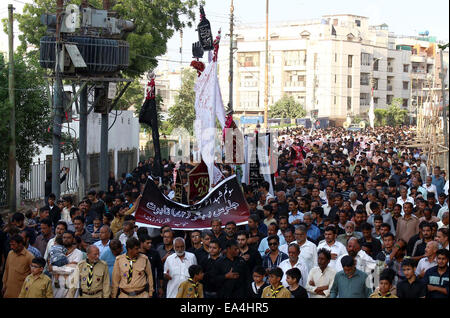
37,285
276,289
192,288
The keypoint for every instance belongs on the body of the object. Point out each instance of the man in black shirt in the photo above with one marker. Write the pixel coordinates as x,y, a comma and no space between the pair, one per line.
209,265
411,287
155,261
231,273
216,227
250,255
202,253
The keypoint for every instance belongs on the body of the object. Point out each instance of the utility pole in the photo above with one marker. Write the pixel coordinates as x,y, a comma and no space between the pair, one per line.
12,146
443,74
230,99
58,107
266,88
104,165
83,142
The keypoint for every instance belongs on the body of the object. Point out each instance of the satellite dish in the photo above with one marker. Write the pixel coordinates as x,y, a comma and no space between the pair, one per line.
362,124
346,124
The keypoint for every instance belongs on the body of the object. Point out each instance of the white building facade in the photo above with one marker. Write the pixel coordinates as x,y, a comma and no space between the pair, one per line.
327,64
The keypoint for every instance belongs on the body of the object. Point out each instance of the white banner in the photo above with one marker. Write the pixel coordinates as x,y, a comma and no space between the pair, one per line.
208,105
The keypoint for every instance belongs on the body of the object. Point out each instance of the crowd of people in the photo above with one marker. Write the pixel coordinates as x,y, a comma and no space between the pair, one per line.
350,215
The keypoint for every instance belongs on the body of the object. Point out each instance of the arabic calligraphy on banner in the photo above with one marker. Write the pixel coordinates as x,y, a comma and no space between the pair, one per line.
226,202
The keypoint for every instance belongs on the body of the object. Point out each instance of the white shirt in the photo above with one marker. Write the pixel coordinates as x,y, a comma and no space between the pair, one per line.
337,248
326,209
72,280
308,253
100,246
431,188
401,202
123,238
354,205
179,271
364,263
424,265
65,215
50,243
286,265
325,278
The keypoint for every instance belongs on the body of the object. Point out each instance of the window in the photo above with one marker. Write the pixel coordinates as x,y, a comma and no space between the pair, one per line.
405,85
375,64
406,68
365,59
248,81
335,57
295,79
335,78
375,100
249,99
349,81
350,60
349,103
405,102
389,99
293,58
364,99
358,23
365,79
335,100
248,59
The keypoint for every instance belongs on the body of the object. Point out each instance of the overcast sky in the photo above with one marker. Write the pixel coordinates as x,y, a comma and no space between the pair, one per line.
406,17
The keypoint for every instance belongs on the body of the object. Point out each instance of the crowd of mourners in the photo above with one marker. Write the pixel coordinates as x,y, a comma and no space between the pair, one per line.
350,214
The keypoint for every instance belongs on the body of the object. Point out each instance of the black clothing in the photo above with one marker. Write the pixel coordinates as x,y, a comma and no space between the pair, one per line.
410,246
420,248
251,290
209,269
300,292
99,208
55,214
48,185
375,246
200,254
254,260
231,288
415,290
157,268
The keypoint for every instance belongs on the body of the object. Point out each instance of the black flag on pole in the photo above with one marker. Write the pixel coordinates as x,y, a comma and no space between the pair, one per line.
149,116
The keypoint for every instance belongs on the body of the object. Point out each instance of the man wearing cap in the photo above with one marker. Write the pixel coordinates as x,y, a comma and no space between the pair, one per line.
94,275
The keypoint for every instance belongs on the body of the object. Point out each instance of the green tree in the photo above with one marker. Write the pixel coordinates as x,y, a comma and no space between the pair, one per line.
182,114
33,112
287,107
395,114
380,117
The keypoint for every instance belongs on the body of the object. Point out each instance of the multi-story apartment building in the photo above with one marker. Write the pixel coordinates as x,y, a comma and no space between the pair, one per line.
328,64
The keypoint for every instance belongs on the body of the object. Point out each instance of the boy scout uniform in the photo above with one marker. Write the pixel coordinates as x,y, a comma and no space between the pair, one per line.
37,287
97,286
280,292
188,289
134,283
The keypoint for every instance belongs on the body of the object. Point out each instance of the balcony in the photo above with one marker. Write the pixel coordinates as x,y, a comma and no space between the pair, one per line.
418,58
390,69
